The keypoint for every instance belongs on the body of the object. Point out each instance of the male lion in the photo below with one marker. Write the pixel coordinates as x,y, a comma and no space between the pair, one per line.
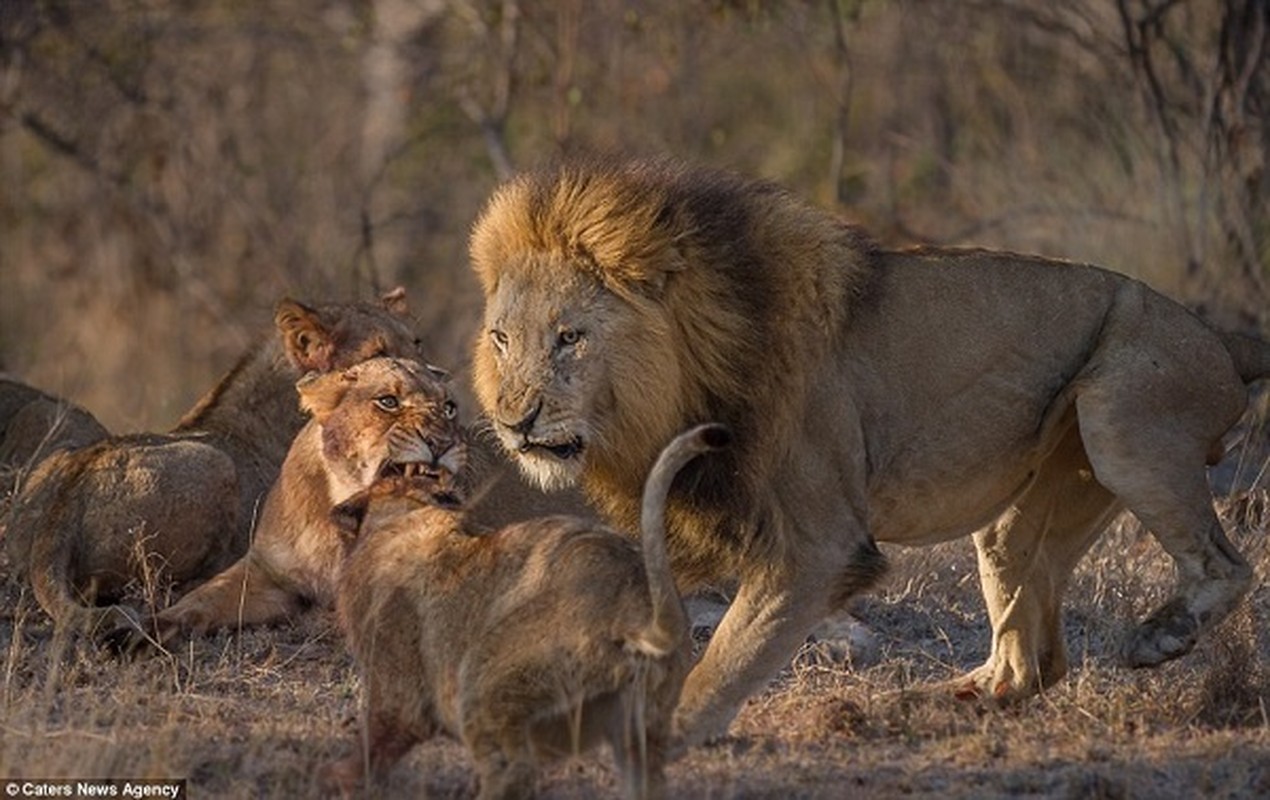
910,396
89,521
366,420
546,637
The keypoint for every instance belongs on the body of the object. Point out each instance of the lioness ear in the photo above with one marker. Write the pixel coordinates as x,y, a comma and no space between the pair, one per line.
395,301
306,340
349,515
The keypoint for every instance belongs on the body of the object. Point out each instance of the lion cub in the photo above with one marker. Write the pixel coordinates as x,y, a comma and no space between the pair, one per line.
541,639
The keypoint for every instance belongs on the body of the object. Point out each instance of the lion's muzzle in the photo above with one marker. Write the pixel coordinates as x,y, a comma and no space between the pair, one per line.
564,451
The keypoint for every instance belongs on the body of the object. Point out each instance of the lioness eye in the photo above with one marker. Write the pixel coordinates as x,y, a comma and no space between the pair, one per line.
569,337
387,402
449,409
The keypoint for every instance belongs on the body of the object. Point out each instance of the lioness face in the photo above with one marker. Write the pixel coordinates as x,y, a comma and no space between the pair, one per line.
545,369
385,416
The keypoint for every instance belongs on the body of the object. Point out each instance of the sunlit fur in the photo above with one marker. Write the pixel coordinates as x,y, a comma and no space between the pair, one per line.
909,395
349,441
188,498
707,331
530,642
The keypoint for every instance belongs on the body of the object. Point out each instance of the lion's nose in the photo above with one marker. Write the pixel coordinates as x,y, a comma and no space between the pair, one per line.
438,447
526,422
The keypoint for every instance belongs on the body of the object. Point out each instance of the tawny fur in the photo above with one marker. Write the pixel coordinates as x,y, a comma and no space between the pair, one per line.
364,419
89,522
34,424
908,396
540,639
293,561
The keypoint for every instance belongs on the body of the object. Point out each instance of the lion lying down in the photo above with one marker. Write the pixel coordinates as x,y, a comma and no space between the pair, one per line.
88,523
535,641
365,420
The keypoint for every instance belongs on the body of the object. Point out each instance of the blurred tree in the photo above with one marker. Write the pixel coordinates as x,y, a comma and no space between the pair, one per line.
1203,74
169,168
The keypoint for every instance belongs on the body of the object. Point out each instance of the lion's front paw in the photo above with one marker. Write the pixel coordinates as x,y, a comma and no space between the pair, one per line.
990,683
1168,633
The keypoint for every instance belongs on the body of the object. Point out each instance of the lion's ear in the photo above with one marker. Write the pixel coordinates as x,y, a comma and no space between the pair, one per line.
649,276
308,343
395,302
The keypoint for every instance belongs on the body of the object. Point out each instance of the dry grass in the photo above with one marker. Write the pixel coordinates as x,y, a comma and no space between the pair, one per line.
255,714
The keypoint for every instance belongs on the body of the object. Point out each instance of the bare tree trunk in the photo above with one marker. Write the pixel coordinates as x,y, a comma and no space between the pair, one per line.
385,76
844,11
568,19
491,118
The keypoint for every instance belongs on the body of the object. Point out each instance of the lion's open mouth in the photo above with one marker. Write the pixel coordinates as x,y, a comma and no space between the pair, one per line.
438,483
409,469
561,450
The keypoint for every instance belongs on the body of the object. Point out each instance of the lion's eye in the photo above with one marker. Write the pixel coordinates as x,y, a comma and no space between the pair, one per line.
499,339
388,402
449,409
569,337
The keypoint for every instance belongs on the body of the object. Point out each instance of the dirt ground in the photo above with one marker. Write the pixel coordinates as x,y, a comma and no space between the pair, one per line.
258,713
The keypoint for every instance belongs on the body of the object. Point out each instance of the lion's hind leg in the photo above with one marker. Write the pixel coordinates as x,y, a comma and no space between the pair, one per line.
1025,560
1148,418
1212,576
387,739
639,744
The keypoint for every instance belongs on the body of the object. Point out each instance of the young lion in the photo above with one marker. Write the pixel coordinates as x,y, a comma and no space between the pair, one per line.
86,520
381,416
546,637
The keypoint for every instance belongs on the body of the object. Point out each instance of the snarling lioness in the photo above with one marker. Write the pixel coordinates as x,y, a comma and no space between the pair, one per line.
89,522
905,396
381,416
538,640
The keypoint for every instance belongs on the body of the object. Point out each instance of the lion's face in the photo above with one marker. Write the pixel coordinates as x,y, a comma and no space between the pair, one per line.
385,416
549,365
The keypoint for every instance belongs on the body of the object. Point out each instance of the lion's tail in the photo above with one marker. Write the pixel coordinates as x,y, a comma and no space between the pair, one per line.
1251,355
670,622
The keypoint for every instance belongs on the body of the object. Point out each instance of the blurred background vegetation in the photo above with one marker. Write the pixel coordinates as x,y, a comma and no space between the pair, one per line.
170,168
